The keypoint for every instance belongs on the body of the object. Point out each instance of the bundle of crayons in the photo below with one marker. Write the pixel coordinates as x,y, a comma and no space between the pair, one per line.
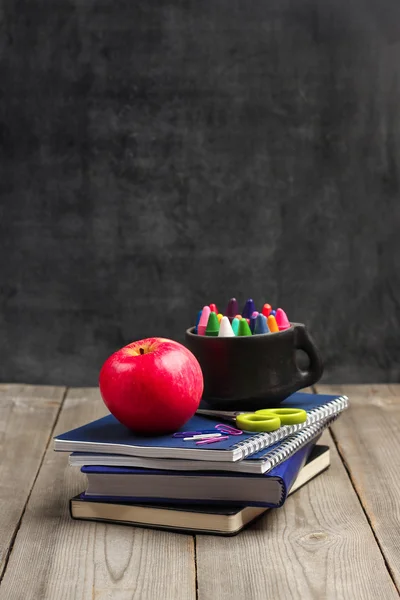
251,322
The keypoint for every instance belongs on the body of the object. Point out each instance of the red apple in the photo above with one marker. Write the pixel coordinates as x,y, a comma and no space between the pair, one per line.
152,386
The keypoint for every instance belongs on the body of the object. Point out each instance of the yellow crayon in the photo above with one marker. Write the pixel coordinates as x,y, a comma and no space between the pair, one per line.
219,316
272,324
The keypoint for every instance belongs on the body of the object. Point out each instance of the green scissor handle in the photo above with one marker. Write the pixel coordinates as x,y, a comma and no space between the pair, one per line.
288,416
256,422
270,419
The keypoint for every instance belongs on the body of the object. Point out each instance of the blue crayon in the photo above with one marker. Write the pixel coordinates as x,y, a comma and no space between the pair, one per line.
273,313
261,325
253,323
197,320
249,308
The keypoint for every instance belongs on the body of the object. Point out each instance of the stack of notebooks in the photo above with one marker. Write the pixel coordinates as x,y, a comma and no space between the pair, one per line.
165,482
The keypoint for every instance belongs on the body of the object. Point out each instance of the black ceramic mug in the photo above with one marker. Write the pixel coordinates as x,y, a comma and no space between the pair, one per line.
254,372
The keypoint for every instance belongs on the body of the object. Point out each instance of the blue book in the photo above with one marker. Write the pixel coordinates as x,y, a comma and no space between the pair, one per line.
108,436
235,489
190,518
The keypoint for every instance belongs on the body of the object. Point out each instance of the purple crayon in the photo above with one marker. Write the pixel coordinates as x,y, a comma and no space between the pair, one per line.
232,309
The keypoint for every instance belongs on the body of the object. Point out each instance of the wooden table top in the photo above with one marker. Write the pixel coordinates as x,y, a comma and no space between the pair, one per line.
337,537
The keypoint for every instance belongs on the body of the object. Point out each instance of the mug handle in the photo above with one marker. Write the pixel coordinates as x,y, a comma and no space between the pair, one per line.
304,341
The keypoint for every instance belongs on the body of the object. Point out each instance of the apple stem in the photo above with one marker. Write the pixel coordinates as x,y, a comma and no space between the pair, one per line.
141,350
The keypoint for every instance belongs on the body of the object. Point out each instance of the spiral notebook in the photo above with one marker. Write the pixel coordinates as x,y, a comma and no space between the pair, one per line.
108,436
255,464
285,458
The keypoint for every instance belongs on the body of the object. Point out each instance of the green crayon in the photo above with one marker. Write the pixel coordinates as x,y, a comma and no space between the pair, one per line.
244,328
212,325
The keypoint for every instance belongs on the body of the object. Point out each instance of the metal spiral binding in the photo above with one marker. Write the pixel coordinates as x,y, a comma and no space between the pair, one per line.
315,416
294,442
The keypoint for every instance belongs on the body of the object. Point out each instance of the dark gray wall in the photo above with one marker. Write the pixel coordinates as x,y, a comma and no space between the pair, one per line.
159,155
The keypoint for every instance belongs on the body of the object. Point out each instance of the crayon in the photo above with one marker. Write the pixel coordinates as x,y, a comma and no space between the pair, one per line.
219,315
281,319
225,328
238,317
212,328
272,325
261,325
232,309
266,309
273,313
205,313
213,308
248,309
235,325
244,328
253,321
197,321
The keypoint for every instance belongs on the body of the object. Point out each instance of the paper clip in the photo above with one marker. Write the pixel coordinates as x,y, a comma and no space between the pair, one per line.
227,429
212,440
183,434
203,436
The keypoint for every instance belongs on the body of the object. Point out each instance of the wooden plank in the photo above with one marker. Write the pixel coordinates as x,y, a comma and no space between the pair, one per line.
56,557
27,417
318,545
368,438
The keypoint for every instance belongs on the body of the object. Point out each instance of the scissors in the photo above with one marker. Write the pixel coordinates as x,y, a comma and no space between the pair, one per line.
267,419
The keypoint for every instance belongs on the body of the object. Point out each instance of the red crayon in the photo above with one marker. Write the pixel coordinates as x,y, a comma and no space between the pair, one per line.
213,308
266,309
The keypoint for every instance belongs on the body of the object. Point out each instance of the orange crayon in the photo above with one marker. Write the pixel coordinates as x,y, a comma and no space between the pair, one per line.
272,324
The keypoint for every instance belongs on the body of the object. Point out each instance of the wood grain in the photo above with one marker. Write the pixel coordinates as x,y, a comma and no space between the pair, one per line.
55,557
368,438
319,545
27,417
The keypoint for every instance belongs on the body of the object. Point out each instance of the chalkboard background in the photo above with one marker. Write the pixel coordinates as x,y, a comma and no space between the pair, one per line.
156,156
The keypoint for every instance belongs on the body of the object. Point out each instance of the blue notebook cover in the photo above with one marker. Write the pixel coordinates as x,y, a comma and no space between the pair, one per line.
108,436
284,475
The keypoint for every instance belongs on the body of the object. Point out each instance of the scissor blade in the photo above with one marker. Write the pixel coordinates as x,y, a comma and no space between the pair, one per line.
225,415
